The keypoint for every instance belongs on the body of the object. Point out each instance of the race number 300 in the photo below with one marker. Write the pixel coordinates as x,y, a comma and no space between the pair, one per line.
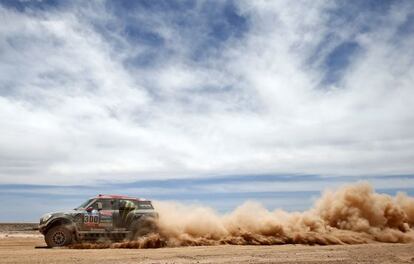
91,219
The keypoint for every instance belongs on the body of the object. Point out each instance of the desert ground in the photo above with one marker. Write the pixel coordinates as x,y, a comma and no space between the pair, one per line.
20,244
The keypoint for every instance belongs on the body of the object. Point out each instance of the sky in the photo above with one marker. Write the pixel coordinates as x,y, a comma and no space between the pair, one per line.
207,102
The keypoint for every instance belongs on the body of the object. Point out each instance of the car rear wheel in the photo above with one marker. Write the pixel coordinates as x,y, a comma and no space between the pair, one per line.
58,236
143,227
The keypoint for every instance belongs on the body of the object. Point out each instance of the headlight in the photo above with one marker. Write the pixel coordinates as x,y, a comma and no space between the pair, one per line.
46,217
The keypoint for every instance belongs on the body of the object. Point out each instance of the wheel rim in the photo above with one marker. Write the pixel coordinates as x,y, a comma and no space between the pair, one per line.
59,238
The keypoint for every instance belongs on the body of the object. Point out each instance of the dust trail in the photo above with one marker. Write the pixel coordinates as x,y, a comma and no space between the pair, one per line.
353,214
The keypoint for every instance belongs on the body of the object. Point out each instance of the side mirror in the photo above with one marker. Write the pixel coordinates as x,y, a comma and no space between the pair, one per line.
89,209
99,206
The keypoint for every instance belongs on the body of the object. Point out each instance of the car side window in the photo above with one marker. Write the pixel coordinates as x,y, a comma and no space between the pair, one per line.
115,204
107,204
126,205
145,205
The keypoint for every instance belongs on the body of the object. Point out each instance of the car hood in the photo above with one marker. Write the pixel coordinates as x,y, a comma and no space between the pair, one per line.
51,215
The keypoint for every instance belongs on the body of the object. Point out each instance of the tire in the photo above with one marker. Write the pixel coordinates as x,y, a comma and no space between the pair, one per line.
58,236
143,227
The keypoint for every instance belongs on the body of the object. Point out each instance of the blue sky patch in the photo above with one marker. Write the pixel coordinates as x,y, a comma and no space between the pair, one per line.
338,60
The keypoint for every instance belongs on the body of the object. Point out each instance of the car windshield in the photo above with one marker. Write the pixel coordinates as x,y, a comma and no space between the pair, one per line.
85,204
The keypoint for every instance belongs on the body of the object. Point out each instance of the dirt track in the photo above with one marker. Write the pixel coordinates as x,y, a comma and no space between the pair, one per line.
20,248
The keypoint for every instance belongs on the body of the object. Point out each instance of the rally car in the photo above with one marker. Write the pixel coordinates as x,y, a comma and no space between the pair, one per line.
113,217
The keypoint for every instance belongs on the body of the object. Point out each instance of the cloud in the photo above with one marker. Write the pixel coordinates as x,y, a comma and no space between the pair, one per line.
90,92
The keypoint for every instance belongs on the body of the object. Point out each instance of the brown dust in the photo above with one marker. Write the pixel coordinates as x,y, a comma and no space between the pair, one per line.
353,214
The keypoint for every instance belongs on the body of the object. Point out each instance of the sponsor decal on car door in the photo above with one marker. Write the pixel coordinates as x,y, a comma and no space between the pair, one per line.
105,220
91,219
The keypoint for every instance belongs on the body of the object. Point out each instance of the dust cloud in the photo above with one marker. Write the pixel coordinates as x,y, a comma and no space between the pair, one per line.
353,214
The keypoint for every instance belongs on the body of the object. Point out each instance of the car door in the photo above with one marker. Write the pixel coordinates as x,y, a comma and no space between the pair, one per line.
91,216
106,214
126,207
99,215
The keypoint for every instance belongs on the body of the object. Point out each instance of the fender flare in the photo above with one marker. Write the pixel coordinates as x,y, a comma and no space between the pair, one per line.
132,217
61,220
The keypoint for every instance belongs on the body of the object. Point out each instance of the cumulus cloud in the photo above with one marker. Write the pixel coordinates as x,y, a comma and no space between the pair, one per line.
91,92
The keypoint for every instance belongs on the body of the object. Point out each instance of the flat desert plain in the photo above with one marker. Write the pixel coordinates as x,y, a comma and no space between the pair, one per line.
19,244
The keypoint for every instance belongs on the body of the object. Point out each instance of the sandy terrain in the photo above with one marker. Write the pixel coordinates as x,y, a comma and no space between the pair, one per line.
27,246
8,230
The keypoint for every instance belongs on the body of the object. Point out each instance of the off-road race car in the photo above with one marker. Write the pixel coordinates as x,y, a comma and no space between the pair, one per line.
113,217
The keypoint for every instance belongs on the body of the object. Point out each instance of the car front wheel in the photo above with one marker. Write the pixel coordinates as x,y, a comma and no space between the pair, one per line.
58,236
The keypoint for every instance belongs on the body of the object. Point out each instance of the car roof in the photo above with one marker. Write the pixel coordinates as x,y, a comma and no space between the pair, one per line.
115,196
